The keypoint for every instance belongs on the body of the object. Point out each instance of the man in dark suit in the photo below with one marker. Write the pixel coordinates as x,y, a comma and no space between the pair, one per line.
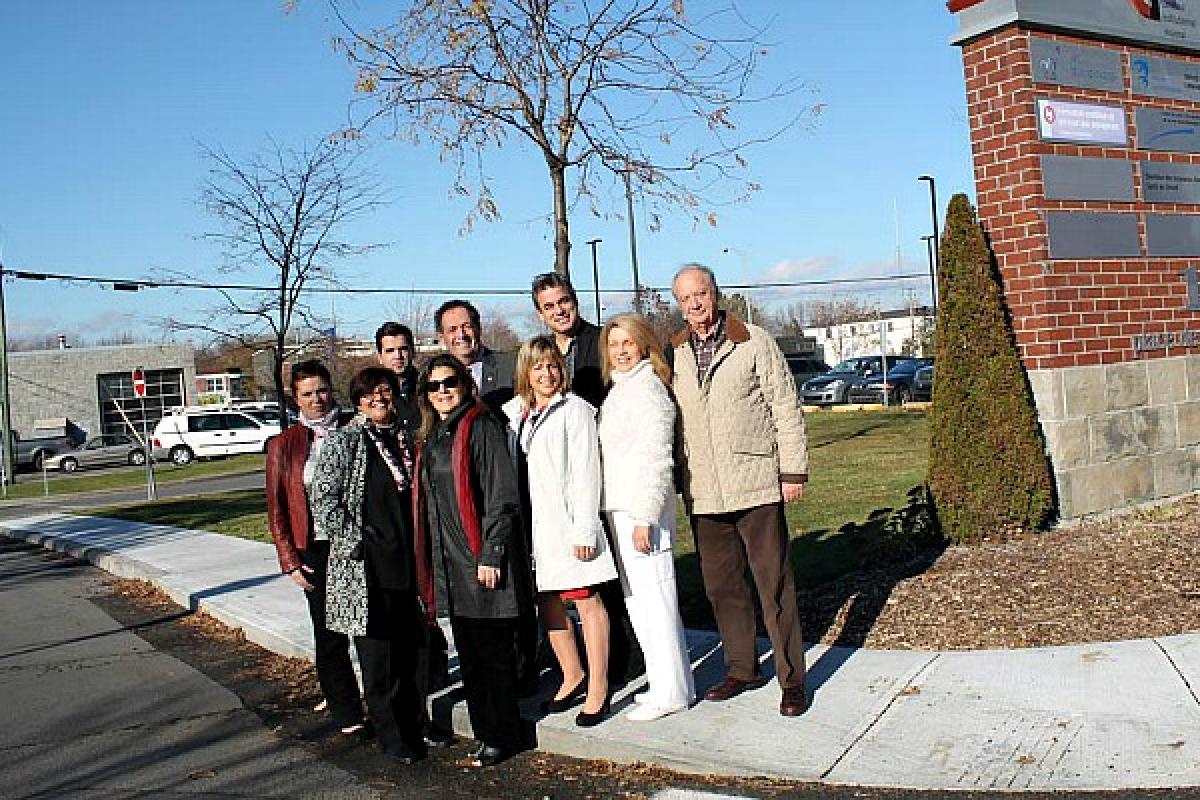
459,328
578,340
394,349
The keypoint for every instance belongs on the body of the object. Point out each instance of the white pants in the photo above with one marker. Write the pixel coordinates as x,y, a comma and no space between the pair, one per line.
649,583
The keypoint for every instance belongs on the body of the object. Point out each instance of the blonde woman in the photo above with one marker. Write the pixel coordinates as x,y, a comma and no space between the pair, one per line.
637,428
557,432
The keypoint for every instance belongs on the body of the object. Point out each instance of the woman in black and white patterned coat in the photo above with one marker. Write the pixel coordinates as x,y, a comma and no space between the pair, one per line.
361,501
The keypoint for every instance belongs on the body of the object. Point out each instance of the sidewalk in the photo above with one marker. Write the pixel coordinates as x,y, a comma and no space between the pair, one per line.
1112,715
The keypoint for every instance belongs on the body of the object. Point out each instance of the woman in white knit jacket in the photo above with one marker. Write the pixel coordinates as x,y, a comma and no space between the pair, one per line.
637,428
557,432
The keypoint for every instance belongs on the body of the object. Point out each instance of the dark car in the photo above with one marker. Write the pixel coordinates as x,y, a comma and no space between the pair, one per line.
831,388
805,367
898,384
922,385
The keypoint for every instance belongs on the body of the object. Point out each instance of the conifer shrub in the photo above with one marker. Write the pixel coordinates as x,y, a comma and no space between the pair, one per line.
988,471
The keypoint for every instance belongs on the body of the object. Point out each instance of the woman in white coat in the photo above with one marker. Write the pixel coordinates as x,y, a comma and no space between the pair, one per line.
557,432
637,428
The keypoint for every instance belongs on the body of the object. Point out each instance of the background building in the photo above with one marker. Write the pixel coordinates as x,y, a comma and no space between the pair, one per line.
93,386
905,332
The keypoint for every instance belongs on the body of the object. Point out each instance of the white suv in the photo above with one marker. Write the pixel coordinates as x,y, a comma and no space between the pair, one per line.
205,433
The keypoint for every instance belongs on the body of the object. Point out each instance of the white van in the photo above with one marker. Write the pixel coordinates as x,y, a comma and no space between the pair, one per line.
191,433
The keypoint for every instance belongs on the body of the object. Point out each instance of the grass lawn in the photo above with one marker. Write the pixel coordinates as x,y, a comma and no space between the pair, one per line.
93,480
242,514
862,468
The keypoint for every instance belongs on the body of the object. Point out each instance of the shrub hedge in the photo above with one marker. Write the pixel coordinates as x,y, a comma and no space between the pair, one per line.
988,471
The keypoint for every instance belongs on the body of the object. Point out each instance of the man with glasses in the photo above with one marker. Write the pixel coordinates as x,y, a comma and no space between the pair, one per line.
394,349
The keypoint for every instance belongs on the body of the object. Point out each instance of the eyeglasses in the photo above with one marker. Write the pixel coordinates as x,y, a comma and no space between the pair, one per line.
379,391
449,383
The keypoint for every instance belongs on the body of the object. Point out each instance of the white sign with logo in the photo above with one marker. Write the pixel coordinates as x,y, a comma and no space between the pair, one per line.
1062,121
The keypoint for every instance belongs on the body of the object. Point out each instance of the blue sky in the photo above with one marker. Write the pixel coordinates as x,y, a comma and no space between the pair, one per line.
104,105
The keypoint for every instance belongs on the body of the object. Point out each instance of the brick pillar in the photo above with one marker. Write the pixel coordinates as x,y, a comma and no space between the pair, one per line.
1121,414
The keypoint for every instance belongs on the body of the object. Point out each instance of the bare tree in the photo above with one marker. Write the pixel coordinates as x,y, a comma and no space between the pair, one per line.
415,311
280,213
630,91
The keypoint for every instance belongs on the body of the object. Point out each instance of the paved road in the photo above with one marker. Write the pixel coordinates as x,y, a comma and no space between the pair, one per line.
11,509
91,710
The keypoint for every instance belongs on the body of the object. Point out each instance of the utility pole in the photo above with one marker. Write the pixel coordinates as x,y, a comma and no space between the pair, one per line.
596,275
637,286
5,417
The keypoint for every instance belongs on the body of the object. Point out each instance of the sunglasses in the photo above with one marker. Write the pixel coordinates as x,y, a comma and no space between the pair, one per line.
448,383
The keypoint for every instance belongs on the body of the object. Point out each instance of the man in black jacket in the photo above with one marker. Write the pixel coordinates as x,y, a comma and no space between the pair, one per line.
394,348
578,340
461,332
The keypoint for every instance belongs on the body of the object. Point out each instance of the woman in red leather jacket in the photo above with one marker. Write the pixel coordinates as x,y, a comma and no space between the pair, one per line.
291,460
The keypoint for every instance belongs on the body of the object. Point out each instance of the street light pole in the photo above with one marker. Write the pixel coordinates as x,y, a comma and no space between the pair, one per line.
595,275
928,240
5,417
934,214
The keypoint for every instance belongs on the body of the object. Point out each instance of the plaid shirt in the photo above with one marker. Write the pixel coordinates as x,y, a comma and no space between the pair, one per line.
706,348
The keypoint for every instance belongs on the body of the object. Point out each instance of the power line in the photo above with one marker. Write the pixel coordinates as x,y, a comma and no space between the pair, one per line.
135,284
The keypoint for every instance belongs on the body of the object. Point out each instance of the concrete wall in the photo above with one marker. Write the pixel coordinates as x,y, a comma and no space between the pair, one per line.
1121,434
62,383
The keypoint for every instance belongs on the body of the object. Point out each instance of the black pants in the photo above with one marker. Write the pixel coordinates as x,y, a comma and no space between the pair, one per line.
389,656
332,650
487,660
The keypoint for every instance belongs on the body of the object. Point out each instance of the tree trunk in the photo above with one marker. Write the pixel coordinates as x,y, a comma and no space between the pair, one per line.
277,375
562,238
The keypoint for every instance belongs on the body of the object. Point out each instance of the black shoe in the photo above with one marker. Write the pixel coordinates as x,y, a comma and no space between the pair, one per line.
402,753
569,700
489,756
437,737
587,719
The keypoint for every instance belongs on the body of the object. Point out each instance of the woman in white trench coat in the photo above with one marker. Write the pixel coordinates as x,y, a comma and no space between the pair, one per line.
557,432
637,428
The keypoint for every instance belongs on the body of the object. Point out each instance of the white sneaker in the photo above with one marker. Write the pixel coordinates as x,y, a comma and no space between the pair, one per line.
647,713
321,706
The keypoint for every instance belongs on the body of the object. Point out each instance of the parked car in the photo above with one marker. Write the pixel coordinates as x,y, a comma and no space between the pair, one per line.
897,384
805,367
48,438
100,451
922,385
199,432
831,388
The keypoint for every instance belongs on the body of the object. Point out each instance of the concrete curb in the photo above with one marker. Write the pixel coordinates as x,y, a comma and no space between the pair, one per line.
1099,716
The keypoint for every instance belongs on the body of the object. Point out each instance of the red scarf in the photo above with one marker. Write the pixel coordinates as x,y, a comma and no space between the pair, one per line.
464,489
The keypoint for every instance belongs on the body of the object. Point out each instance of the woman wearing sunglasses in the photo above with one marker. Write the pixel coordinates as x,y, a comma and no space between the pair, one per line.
557,432
361,503
469,543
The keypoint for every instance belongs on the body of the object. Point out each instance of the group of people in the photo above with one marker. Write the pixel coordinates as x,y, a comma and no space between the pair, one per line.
497,489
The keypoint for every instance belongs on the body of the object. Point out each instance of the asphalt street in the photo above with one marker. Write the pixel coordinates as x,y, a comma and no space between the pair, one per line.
11,509
91,710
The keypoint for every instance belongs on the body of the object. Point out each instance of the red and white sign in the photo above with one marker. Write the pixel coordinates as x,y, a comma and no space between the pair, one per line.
139,382
1061,121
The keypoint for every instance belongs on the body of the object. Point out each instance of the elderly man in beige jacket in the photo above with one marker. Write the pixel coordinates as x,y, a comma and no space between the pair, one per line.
742,455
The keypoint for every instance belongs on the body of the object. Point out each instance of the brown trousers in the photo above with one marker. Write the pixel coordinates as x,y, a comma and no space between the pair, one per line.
726,543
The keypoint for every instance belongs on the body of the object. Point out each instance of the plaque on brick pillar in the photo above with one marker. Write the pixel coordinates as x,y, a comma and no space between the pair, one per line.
1076,178
1170,183
1173,234
1092,234
1086,123
1065,64
1173,131
1165,77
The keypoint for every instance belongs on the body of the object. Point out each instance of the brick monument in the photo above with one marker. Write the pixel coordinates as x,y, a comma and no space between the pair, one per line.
1085,133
